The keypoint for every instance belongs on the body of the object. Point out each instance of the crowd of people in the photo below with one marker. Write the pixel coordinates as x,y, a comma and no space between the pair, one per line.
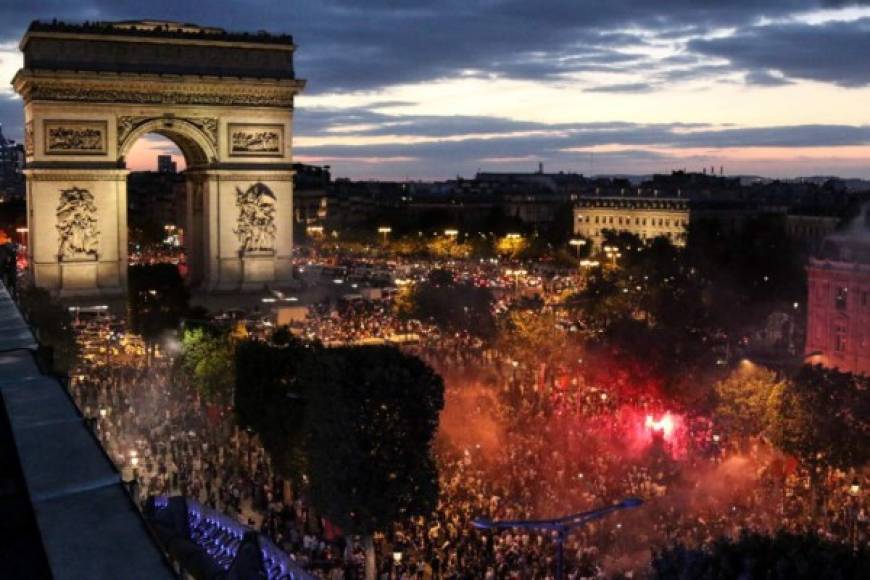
512,445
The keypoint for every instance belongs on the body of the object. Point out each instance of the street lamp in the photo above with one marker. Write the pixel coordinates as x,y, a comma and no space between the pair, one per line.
577,243
22,233
451,233
385,230
516,274
613,253
560,525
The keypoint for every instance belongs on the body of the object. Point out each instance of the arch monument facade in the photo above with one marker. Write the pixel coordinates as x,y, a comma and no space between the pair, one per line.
90,91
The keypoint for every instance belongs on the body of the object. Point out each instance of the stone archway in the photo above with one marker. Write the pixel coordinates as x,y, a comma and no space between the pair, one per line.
90,91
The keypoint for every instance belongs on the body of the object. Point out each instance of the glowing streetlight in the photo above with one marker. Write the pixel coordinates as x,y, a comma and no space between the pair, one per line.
451,233
516,274
385,231
314,230
577,243
613,253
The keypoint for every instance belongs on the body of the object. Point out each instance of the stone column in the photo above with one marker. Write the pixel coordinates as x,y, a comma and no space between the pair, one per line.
250,237
78,230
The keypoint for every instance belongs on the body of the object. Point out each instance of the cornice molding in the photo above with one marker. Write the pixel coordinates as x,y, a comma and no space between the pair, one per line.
153,90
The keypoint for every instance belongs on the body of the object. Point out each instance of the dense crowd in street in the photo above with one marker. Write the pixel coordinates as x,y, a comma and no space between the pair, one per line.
512,445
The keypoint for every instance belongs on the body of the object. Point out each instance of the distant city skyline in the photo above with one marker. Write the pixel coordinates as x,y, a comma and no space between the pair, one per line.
776,88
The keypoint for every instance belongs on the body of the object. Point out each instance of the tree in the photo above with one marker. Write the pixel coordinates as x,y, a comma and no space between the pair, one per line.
747,271
158,299
370,420
822,417
531,335
207,364
453,306
796,557
52,324
448,247
358,421
269,399
511,245
747,398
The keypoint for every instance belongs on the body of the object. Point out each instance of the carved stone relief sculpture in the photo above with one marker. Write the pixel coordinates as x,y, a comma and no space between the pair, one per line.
256,140
28,138
77,225
75,137
256,222
127,124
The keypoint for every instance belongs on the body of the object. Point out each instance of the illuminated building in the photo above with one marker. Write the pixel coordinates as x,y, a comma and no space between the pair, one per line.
11,165
646,217
649,216
838,313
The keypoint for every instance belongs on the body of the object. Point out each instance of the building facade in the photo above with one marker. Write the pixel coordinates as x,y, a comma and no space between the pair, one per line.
11,167
838,312
811,230
646,217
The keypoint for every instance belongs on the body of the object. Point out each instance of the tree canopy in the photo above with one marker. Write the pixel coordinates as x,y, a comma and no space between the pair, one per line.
207,363
359,421
158,299
371,417
452,305
748,400
53,325
823,415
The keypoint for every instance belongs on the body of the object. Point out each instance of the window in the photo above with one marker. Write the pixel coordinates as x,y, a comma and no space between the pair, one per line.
840,341
840,298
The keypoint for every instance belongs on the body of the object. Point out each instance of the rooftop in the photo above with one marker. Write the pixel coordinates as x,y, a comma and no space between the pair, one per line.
64,512
159,29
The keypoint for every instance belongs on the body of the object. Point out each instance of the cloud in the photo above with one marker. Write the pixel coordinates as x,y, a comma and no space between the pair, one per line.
834,52
765,78
11,115
352,45
626,47
443,146
621,88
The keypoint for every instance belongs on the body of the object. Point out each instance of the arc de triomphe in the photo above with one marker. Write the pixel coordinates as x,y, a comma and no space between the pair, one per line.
91,91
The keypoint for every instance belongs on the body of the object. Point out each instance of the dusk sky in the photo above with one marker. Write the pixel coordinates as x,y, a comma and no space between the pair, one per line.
426,89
